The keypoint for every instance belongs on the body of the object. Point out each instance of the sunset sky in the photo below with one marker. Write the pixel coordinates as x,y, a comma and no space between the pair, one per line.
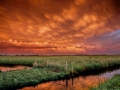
59,27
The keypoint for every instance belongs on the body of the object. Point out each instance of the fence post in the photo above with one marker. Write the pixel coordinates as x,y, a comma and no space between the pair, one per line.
47,63
66,66
72,71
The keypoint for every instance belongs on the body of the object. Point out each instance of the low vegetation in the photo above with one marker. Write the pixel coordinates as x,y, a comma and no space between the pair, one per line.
47,68
79,63
16,79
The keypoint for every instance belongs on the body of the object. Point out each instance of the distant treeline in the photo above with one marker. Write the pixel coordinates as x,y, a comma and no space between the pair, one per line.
66,55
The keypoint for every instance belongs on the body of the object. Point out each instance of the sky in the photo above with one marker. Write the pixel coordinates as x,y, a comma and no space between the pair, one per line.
59,27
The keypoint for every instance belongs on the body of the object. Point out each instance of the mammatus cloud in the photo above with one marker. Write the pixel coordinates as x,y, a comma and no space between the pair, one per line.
65,27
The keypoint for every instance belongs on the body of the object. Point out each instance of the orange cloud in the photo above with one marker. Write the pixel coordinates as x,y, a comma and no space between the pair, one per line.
52,25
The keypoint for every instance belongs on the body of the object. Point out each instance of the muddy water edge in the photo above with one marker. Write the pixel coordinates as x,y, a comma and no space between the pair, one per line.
9,68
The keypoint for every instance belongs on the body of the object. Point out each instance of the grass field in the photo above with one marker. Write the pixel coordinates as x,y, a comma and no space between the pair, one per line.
56,70
79,63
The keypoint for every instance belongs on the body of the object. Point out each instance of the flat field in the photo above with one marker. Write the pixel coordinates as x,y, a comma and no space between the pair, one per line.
83,62
47,68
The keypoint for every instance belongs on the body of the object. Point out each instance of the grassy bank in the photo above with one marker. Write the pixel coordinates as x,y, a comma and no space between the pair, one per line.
16,79
111,84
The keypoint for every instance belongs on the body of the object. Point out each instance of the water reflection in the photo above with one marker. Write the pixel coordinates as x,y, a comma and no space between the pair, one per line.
78,83
6,68
110,74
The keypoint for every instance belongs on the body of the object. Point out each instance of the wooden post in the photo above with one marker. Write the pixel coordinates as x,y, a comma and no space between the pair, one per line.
66,66
72,71
47,63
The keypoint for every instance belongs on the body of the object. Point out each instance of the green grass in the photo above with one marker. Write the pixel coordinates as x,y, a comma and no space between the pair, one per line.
20,78
111,84
79,63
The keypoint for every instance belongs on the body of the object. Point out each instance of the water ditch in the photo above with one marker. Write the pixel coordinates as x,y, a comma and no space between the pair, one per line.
9,68
82,82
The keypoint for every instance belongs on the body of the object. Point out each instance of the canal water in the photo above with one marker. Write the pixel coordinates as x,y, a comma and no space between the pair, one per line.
77,83
7,68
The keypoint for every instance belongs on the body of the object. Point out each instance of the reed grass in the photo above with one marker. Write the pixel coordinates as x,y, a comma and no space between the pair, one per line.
20,78
36,75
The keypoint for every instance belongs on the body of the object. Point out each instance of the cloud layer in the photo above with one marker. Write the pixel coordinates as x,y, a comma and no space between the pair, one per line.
59,26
